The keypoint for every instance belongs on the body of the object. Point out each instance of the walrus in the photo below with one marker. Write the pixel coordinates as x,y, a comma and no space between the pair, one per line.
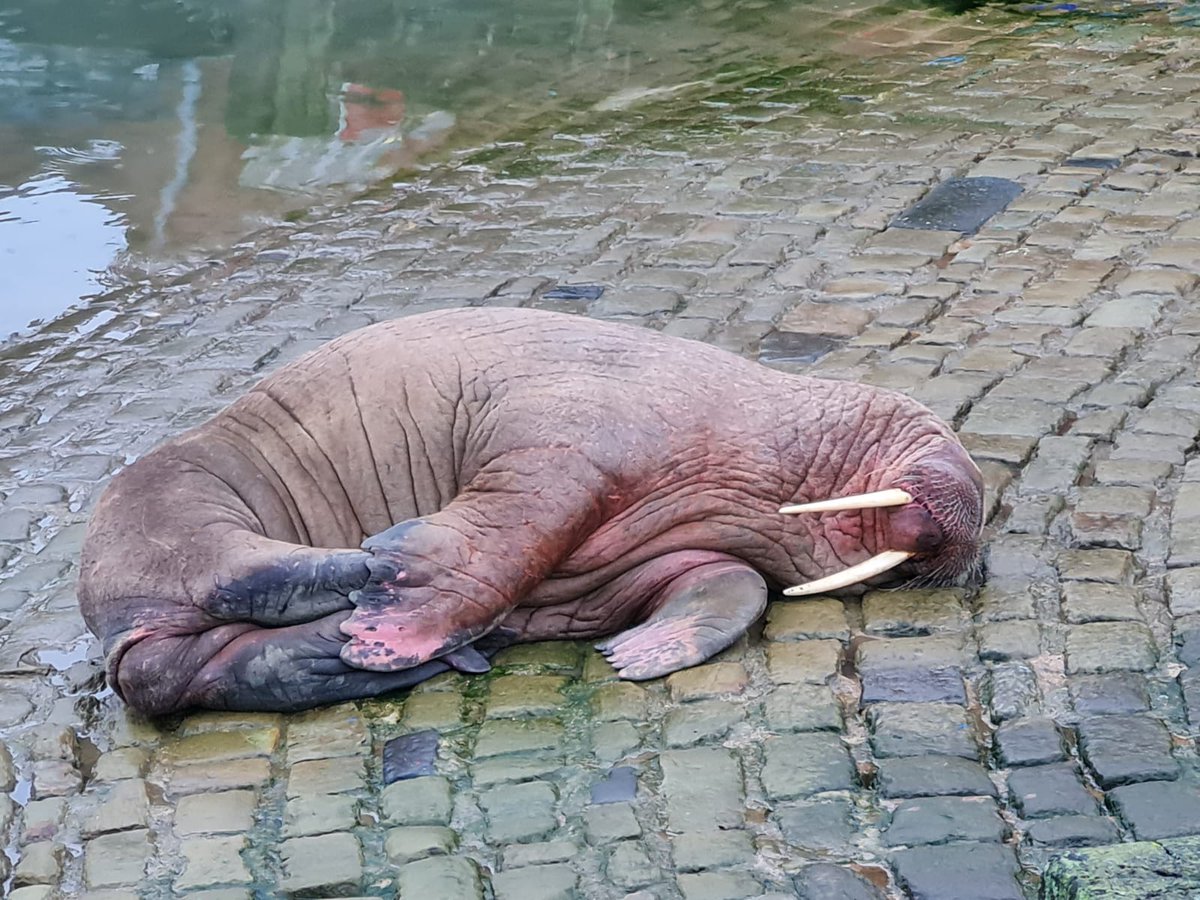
416,493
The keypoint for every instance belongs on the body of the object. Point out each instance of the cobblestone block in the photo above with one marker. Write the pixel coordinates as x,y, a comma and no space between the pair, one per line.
913,612
452,878
1029,742
519,812
1126,749
319,814
1183,590
552,882
407,844
703,789
979,871
220,776
219,746
525,695
326,776
796,621
821,881
327,733
1073,831
630,867
807,662
824,825
911,670
1118,693
1002,641
718,886
210,862
44,818
1010,690
502,737
1051,790
799,765
539,854
40,863
118,764
704,721
1085,602
923,776
608,822
619,700
1028,418
1109,646
125,807
802,707
222,812
417,801
938,820
708,681
1159,809
329,865
1110,566
919,729
116,859
696,852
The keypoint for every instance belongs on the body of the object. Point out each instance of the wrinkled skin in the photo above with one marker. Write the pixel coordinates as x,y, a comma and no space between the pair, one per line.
416,494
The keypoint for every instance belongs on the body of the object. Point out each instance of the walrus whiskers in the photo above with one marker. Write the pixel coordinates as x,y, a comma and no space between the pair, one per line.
873,500
876,565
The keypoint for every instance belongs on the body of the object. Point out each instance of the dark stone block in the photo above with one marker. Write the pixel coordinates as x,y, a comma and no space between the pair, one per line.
575,292
1092,162
1074,831
410,756
938,820
795,347
1159,809
932,776
957,871
960,204
1125,749
825,881
1028,742
1119,693
1054,790
619,787
914,686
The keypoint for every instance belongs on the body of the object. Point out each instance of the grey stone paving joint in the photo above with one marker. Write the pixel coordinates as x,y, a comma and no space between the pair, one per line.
1035,736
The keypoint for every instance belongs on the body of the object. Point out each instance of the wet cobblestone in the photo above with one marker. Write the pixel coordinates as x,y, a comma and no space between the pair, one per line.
920,743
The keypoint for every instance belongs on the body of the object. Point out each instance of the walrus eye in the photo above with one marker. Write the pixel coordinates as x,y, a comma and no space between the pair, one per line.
876,565
873,500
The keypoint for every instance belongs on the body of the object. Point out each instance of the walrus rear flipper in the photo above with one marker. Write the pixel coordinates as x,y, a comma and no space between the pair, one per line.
440,582
298,667
695,617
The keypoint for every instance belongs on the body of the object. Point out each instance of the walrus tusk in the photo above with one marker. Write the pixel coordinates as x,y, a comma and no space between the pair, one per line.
873,500
876,565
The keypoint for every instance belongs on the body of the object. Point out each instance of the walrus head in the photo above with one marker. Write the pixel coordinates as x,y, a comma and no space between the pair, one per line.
930,515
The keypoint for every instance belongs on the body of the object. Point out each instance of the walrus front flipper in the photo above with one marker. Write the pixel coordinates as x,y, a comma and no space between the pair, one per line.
696,616
441,581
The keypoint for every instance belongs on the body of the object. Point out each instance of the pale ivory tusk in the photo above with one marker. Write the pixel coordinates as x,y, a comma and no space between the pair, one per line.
873,500
876,565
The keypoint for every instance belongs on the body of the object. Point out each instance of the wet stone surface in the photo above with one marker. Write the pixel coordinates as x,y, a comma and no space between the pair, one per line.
1008,235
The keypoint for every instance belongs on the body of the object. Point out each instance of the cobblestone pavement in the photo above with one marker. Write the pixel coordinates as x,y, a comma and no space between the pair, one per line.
934,743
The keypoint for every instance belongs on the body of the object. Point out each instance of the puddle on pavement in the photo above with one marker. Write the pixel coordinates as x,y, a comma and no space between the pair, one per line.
137,134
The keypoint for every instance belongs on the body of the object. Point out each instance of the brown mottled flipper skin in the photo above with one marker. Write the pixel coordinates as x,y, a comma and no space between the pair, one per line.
415,494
